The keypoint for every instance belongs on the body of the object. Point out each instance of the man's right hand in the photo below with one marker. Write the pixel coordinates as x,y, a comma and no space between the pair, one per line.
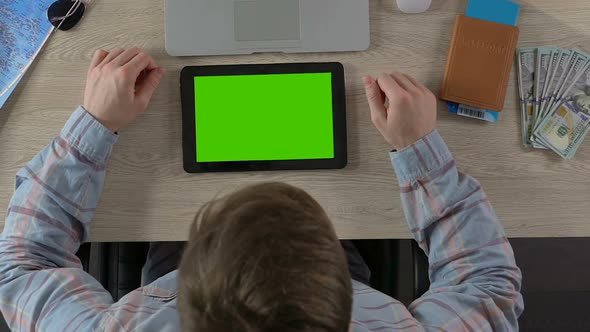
411,113
120,85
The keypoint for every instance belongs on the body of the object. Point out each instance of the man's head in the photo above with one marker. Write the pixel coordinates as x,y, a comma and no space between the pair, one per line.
265,258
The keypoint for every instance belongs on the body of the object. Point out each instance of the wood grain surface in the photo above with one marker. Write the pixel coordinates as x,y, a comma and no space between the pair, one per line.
147,195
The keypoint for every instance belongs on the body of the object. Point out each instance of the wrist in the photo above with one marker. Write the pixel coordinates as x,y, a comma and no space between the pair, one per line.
421,158
111,127
407,141
89,139
108,125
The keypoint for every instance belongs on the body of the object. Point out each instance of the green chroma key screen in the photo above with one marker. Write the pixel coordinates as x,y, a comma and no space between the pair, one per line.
264,117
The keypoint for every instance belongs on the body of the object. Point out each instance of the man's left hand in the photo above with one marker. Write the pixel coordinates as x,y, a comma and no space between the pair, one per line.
120,86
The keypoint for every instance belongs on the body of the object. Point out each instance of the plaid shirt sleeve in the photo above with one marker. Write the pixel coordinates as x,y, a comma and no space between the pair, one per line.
475,283
42,284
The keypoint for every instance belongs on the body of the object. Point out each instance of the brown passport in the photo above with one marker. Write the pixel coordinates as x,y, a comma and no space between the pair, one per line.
479,63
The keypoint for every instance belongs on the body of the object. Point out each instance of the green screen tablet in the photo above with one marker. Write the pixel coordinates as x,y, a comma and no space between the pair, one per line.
264,117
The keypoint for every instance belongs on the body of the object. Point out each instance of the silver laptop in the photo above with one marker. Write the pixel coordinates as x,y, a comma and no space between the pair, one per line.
215,27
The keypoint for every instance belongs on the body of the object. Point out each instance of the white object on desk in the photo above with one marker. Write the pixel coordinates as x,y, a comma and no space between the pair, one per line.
413,6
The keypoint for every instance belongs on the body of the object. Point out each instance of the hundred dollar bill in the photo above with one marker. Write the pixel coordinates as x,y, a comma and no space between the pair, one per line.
579,97
526,76
578,87
564,130
544,55
550,71
557,74
566,126
559,79
574,72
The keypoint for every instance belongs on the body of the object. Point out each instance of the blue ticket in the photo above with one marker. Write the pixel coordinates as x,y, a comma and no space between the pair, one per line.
499,11
473,112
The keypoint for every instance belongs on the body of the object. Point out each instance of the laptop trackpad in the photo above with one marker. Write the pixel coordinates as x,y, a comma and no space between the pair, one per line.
265,20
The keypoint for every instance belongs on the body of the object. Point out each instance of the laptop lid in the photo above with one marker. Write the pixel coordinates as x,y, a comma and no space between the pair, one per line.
214,27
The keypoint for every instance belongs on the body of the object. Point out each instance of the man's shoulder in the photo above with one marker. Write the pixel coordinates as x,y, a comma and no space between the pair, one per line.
150,308
165,287
373,310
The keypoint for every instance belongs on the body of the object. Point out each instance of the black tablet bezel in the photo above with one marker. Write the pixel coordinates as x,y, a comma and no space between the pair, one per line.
189,143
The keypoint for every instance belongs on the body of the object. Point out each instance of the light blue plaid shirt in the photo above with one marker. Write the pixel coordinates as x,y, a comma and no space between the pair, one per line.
475,281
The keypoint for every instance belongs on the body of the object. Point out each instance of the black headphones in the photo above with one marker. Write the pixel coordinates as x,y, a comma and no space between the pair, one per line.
65,14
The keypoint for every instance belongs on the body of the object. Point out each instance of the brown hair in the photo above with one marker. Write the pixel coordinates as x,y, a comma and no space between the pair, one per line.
265,258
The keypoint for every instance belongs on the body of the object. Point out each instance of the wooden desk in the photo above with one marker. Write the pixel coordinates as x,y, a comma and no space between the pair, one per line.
148,196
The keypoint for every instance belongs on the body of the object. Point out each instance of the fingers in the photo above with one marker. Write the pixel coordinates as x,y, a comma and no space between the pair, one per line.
134,61
126,56
111,56
145,90
404,81
142,61
98,57
376,102
414,81
390,86
396,83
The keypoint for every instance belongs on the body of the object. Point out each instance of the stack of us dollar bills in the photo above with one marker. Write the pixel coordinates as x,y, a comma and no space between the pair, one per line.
554,87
